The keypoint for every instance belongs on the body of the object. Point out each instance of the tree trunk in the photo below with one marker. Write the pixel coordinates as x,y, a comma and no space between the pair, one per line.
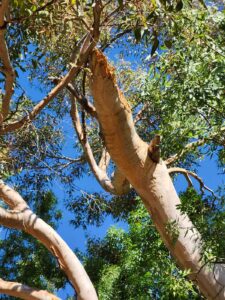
151,180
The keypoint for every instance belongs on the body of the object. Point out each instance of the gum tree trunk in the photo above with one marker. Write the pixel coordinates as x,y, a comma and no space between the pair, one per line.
151,180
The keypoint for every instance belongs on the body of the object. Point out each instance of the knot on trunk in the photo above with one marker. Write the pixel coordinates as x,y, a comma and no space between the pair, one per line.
154,149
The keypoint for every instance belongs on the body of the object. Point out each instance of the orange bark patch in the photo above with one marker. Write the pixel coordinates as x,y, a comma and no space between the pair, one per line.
99,59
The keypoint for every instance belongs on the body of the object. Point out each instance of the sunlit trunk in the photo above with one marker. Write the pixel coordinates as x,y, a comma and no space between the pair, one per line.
150,180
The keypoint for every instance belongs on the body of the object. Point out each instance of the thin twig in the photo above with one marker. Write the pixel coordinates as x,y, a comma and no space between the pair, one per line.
188,173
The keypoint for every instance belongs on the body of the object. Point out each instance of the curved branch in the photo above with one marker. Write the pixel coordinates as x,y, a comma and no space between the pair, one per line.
12,198
26,220
23,291
88,44
116,186
186,173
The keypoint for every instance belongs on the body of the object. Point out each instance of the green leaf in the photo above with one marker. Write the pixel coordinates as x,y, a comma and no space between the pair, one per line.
137,34
34,63
168,43
154,46
120,3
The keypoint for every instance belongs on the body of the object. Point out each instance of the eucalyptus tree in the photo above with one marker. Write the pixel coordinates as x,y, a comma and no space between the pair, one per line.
61,44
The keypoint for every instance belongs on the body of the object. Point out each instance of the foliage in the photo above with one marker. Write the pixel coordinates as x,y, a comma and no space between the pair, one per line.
207,214
25,259
135,264
184,92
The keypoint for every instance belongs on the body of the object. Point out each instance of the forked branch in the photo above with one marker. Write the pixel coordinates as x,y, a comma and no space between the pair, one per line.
87,46
115,186
187,175
53,93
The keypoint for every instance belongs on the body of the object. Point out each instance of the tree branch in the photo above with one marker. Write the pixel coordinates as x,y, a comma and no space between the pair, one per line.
114,115
115,186
22,291
104,160
87,46
186,173
97,9
139,113
154,148
81,99
3,10
151,180
23,218
7,68
12,198
195,144
83,55
115,38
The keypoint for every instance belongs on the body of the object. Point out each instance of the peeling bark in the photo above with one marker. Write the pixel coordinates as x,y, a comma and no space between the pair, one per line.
151,180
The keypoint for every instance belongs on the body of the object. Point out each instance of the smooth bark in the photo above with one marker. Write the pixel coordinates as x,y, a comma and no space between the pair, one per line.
22,218
23,291
118,185
151,180
7,68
